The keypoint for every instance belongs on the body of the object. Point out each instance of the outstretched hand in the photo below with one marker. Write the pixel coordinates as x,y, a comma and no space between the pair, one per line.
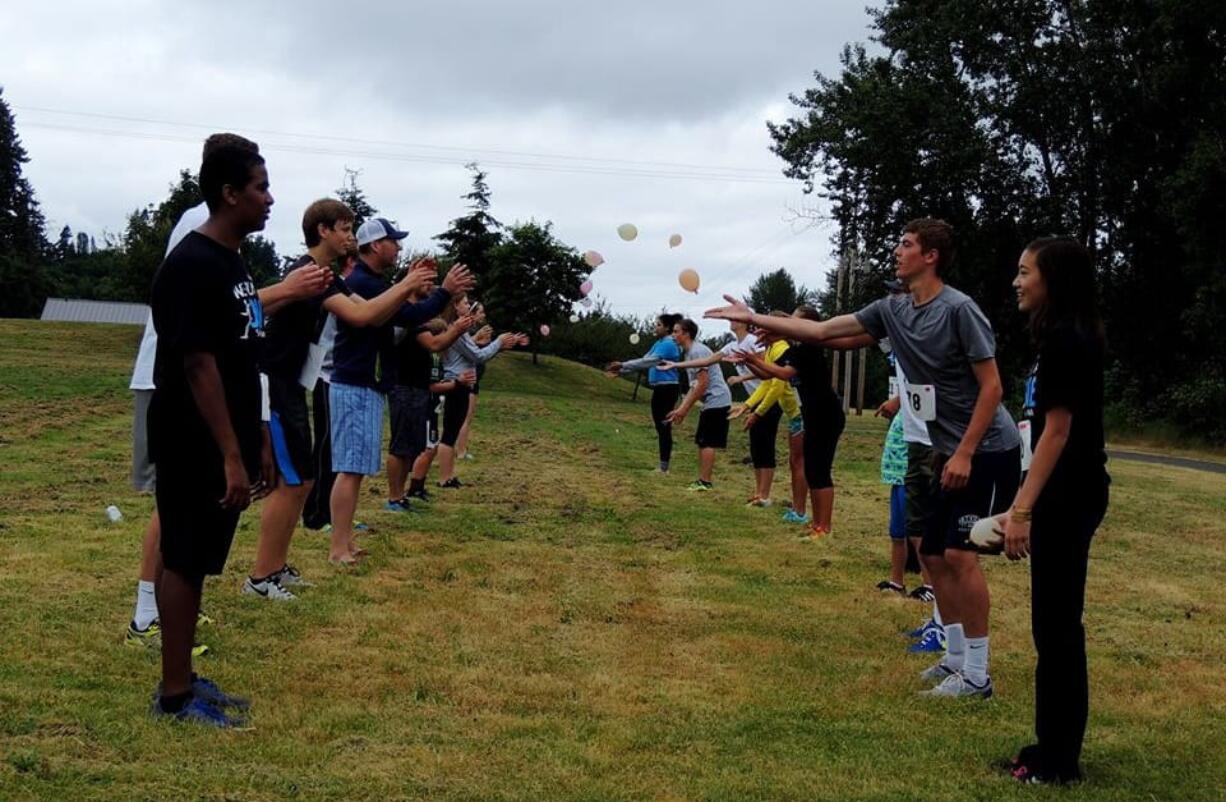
889,408
459,279
308,280
736,310
420,276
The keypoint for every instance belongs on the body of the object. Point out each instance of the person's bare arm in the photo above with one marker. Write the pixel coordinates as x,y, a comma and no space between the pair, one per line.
301,282
958,469
763,369
793,328
210,396
358,311
691,398
704,362
850,343
1056,427
443,341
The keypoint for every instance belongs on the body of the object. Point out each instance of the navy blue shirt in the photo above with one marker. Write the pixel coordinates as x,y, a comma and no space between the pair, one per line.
365,356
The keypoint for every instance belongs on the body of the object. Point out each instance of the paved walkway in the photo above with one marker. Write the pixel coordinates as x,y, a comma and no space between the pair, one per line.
1160,459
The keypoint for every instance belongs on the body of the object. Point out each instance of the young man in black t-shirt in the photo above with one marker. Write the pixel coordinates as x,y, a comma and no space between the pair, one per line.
292,359
206,435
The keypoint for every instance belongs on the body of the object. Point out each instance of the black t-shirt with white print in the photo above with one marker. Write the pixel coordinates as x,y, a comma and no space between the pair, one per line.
204,301
1068,373
294,326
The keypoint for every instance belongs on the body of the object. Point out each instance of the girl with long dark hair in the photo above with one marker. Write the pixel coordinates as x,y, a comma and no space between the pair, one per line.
1064,496
665,384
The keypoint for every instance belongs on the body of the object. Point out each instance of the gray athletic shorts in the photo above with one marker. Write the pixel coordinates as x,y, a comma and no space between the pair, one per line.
144,474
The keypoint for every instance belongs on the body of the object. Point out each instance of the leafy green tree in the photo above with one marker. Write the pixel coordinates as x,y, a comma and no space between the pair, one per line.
777,290
472,238
533,280
143,242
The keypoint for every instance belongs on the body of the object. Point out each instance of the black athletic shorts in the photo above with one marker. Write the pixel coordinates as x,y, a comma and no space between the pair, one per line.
410,408
919,488
455,410
196,531
712,428
290,428
993,484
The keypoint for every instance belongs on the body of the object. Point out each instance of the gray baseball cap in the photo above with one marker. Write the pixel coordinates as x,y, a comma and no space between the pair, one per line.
376,229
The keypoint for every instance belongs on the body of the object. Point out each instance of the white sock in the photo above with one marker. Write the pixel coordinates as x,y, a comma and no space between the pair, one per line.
936,615
146,605
976,667
955,647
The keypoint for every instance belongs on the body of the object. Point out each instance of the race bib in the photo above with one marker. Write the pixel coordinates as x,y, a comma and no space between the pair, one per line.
310,368
922,398
893,387
1023,428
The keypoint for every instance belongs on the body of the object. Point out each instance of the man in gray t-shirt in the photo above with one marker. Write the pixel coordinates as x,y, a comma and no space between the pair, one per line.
937,343
948,353
708,385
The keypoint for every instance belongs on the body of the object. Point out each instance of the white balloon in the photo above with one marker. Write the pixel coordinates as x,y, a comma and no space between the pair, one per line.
574,318
593,259
627,231
634,338
586,302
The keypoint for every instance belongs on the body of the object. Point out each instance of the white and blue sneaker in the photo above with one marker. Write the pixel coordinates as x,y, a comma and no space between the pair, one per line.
919,631
937,673
933,640
956,685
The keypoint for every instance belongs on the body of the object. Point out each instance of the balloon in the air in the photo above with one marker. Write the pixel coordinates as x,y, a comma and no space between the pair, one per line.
586,302
689,280
585,287
593,259
627,231
544,330
634,339
574,318
674,240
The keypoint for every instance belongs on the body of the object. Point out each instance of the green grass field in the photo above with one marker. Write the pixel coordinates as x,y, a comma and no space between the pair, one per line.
569,626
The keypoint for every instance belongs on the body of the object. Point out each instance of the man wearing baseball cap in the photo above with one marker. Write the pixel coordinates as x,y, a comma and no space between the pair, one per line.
364,371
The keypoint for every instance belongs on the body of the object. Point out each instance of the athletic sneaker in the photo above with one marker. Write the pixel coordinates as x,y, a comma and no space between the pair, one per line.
931,641
198,711
267,588
919,631
421,494
760,502
452,483
892,587
467,456
936,673
699,486
399,505
793,517
151,637
203,619
815,533
289,576
956,685
208,690
922,593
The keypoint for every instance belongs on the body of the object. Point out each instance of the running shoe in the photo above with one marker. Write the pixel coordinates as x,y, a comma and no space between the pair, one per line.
886,585
919,631
421,494
151,638
268,588
208,690
931,641
467,456
289,576
399,505
198,711
203,619
922,593
936,673
452,483
793,517
815,533
760,502
699,486
956,685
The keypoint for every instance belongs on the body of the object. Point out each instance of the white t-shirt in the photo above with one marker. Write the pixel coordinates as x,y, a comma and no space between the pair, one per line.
746,345
142,373
914,430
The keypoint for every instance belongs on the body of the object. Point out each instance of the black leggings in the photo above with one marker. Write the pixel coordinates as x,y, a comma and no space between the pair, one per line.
455,410
663,399
1059,551
762,437
318,510
822,431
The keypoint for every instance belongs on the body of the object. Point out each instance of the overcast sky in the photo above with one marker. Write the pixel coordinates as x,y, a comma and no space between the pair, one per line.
587,115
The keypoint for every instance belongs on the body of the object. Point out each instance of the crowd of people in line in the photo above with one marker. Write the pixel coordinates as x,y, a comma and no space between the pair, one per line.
222,417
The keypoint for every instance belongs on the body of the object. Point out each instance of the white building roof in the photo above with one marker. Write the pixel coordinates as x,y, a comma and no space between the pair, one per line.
75,310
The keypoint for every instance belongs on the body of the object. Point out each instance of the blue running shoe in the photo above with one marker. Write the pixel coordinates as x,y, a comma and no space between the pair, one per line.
932,641
198,711
208,690
399,505
919,631
792,517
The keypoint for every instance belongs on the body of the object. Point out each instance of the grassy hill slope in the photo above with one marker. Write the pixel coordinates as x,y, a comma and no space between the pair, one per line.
569,626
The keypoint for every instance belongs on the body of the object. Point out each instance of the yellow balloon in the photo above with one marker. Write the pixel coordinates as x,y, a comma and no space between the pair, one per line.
627,231
689,280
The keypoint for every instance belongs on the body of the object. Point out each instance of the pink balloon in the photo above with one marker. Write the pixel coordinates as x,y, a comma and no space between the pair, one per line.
544,330
585,287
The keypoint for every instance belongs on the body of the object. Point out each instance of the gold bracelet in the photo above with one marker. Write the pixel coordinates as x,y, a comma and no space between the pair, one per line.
1020,515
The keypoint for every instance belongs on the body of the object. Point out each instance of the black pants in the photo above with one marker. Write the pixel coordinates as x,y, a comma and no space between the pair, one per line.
1060,536
318,510
823,427
455,410
762,438
663,399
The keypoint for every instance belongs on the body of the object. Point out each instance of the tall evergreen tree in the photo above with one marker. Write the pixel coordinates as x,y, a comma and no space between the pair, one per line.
23,244
352,196
472,238
777,290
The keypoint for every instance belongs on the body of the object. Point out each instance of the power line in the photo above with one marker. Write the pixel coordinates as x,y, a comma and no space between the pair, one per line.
502,158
